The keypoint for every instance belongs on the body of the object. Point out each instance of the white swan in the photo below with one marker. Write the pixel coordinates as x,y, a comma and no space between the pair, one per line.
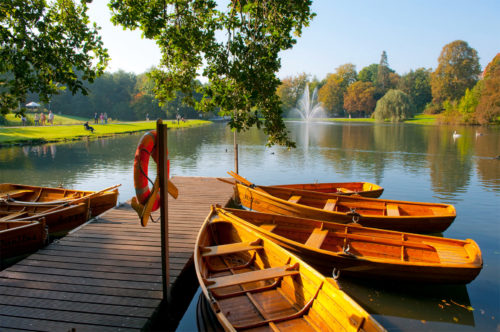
455,135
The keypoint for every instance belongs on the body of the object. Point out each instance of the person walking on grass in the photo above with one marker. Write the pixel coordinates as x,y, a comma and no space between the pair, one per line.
102,118
105,118
42,119
96,119
23,119
51,118
37,119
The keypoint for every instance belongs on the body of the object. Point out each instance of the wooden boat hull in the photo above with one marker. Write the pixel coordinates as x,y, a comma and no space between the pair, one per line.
59,219
364,189
367,252
252,283
21,237
20,192
369,212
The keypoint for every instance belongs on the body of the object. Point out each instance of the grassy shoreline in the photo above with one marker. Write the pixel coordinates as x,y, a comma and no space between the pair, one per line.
72,129
423,119
31,135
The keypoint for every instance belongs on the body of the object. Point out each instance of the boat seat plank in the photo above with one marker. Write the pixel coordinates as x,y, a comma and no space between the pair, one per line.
330,204
294,199
252,276
345,190
15,193
316,238
392,210
230,248
268,227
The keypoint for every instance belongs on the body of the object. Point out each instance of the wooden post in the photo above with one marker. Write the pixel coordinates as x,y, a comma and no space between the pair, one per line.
235,154
161,137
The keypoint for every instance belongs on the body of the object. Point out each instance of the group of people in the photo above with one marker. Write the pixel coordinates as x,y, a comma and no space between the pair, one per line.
104,120
180,118
40,119
103,117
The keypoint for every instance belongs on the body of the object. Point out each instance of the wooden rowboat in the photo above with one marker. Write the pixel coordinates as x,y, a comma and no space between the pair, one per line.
59,218
364,189
367,252
414,217
252,283
21,237
99,201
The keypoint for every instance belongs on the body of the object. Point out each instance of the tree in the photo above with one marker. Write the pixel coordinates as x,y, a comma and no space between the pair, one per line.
417,85
394,105
43,46
347,74
369,73
241,71
290,90
143,101
468,103
488,108
458,70
331,95
383,75
359,98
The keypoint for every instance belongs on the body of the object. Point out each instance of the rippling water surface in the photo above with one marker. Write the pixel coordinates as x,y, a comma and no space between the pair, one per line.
413,163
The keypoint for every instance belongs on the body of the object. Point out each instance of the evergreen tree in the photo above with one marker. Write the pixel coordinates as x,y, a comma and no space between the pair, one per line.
383,76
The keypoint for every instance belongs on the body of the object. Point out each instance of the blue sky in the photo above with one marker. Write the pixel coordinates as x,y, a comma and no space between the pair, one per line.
412,32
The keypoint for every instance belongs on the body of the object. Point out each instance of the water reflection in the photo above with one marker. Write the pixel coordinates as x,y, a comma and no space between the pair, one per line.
420,303
413,163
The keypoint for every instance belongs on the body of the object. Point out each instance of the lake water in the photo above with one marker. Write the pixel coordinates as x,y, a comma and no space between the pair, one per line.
412,162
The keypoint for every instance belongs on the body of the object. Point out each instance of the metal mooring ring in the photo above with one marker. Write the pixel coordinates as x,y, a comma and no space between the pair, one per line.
335,273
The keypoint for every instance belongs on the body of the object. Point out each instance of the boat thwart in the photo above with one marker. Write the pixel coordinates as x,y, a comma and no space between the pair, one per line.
252,283
366,252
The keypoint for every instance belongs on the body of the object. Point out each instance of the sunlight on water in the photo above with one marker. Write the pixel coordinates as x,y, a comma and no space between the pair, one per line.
413,163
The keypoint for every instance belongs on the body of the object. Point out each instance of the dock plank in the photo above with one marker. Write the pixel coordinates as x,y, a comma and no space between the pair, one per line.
106,276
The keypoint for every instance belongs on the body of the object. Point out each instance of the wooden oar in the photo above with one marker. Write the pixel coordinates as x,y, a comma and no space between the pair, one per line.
226,181
96,193
245,182
43,213
144,211
62,201
240,178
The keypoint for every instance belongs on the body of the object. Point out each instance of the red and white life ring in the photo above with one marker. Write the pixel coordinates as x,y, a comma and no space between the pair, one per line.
146,148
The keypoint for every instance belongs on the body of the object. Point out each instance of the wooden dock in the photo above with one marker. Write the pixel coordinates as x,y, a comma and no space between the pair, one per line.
106,276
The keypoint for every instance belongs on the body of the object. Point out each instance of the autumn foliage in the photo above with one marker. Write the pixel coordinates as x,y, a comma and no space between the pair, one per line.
359,98
458,70
488,108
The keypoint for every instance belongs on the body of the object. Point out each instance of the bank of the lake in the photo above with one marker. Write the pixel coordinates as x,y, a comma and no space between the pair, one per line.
422,119
47,134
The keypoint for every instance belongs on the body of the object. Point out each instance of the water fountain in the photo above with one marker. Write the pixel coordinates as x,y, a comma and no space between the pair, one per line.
309,107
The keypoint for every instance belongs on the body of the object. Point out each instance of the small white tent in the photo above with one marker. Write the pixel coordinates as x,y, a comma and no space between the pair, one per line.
32,105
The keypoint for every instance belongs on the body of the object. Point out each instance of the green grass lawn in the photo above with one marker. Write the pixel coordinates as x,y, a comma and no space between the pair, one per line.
424,119
12,120
350,120
40,134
